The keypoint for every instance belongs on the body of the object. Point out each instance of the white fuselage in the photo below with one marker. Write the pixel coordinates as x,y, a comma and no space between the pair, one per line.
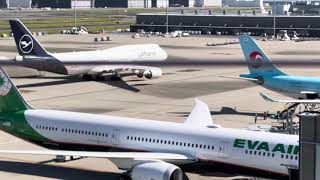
82,62
205,144
79,62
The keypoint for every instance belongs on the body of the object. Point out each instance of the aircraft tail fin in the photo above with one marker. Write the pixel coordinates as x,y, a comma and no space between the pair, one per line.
258,63
11,99
25,42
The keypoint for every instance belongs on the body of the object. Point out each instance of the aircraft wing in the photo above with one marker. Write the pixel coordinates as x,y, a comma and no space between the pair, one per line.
156,72
302,101
112,155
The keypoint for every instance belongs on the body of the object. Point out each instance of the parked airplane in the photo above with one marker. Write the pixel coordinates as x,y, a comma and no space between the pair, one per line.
264,73
149,149
90,64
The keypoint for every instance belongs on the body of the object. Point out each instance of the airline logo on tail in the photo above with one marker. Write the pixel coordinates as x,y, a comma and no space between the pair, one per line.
26,44
255,60
5,84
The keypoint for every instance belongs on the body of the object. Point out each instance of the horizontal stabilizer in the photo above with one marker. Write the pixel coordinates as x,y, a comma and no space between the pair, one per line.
301,101
241,78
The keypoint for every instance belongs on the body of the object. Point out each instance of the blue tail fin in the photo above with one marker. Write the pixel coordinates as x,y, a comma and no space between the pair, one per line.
25,42
258,63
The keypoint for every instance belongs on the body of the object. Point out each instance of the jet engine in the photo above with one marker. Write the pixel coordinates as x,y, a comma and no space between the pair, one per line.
152,73
156,171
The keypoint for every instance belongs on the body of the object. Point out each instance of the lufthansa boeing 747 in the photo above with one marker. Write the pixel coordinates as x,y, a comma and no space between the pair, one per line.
89,64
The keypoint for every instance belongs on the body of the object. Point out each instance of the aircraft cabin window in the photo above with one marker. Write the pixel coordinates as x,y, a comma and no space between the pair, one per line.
281,155
291,157
268,154
165,142
272,154
192,145
263,153
212,147
157,140
255,152
250,152
246,151
287,156
296,158
184,144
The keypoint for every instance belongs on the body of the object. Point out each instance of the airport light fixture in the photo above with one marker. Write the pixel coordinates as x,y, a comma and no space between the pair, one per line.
167,16
75,12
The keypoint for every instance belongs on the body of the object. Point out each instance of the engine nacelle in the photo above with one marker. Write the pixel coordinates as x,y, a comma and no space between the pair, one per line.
152,73
156,171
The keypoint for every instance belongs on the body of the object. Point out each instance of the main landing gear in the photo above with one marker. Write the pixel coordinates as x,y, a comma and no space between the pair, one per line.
100,77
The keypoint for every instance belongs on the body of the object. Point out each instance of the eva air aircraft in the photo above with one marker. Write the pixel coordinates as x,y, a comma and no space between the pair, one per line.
148,149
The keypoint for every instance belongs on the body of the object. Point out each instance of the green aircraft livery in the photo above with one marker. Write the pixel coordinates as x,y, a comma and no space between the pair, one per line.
265,146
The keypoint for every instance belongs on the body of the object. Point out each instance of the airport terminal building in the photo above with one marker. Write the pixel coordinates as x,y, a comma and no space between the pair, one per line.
233,24
107,3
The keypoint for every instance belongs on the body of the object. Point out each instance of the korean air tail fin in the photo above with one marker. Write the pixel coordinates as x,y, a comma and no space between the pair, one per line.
258,63
25,42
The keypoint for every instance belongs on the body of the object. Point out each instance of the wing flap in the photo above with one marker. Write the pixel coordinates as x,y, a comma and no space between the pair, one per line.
111,155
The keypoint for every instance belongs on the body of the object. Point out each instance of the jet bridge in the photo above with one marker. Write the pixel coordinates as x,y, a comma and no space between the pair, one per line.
309,143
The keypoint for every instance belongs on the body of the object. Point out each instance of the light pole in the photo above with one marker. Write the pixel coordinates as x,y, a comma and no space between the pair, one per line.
75,12
167,17
274,18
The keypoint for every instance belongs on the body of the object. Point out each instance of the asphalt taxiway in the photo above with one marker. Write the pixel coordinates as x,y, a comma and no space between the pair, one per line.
233,103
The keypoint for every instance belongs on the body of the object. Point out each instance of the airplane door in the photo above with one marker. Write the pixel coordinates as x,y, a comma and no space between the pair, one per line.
223,150
115,137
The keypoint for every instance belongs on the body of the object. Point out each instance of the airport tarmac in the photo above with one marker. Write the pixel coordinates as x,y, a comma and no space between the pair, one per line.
233,103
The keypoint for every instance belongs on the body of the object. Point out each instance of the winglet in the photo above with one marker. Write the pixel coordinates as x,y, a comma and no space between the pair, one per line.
200,115
267,98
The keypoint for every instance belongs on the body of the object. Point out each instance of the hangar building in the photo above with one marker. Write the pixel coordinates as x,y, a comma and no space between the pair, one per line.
15,3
